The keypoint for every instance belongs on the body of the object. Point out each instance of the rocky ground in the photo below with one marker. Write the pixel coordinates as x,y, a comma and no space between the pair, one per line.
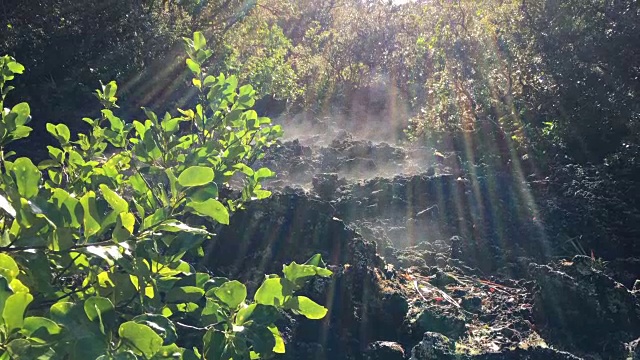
430,262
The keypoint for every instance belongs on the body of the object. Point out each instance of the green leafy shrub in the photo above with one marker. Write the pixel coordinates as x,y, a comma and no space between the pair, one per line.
93,240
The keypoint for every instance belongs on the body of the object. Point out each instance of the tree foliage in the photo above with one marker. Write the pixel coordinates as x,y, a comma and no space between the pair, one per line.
548,78
95,240
544,77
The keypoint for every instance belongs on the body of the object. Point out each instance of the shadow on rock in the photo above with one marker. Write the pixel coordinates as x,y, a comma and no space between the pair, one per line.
581,309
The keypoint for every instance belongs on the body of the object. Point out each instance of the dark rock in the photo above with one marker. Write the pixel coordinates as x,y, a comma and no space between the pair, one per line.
384,152
434,320
533,353
626,271
443,279
384,350
436,346
472,304
326,184
407,259
582,309
391,312
289,226
358,165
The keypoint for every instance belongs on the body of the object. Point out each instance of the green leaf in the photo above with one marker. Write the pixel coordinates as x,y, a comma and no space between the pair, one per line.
60,132
40,329
117,203
13,312
74,319
204,193
263,173
170,352
261,338
110,89
155,219
258,314
69,207
199,41
116,124
272,292
27,177
315,260
184,294
244,168
8,267
196,176
299,274
19,349
56,154
213,342
161,325
211,208
142,338
124,227
91,218
177,226
209,80
175,268
244,314
22,111
15,67
101,309
59,311
232,293
21,132
307,307
193,66
279,347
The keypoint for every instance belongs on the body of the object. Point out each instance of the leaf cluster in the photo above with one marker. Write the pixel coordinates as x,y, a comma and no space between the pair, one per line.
95,239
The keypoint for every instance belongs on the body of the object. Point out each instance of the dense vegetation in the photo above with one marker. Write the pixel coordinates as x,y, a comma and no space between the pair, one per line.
545,76
109,221
93,253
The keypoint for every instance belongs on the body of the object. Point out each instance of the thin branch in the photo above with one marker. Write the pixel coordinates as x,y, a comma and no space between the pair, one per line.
74,247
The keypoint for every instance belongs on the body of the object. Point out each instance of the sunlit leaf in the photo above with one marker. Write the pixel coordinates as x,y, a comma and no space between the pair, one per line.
13,312
232,293
211,208
91,218
40,329
117,203
307,307
27,177
199,41
8,267
271,292
142,338
100,309
196,176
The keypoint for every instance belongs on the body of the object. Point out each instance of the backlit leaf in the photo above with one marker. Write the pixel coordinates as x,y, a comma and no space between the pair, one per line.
307,307
232,293
211,208
13,312
196,176
27,177
142,338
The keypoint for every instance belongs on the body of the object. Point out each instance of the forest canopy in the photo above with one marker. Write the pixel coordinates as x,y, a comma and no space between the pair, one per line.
548,76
